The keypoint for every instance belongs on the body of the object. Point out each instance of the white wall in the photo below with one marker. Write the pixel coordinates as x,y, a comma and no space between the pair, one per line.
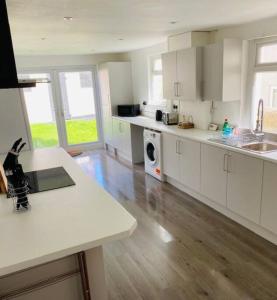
140,74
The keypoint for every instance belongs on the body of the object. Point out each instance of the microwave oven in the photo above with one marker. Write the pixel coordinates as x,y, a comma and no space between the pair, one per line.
129,110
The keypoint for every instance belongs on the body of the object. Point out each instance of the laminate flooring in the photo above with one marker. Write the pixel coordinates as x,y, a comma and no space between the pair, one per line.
181,249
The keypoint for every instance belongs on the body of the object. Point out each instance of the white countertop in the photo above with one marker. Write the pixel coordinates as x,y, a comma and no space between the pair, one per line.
199,135
61,222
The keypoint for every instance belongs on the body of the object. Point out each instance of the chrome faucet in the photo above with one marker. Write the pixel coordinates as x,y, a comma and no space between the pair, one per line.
260,120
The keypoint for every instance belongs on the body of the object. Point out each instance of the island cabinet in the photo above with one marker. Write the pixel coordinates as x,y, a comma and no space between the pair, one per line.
244,188
182,76
269,197
181,160
214,173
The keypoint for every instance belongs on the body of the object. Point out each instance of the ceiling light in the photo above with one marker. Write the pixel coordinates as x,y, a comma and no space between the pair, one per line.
68,18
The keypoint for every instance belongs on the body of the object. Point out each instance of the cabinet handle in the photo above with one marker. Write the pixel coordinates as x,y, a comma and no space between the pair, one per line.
229,163
178,147
225,163
175,89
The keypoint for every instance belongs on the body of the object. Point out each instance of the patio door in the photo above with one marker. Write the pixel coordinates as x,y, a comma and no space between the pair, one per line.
79,109
64,112
41,112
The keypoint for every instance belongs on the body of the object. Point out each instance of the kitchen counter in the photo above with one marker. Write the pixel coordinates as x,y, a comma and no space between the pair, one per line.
61,222
199,135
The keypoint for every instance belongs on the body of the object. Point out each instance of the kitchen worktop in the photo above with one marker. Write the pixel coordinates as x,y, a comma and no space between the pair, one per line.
61,222
195,134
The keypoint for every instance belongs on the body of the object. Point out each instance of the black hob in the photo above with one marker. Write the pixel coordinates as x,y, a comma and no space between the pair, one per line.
48,179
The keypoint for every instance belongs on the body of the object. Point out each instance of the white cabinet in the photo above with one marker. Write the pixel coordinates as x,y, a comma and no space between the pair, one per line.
214,173
122,136
222,69
269,198
190,163
169,75
182,74
244,187
171,159
181,160
127,139
115,80
233,180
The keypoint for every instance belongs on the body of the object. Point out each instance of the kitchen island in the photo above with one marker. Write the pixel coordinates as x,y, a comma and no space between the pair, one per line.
61,223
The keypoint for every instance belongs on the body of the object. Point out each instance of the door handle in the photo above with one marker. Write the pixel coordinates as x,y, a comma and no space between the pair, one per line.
177,146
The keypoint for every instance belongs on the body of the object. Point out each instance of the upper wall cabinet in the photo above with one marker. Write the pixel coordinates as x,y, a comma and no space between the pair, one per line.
182,74
222,69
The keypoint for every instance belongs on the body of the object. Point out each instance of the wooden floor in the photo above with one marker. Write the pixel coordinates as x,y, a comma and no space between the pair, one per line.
181,249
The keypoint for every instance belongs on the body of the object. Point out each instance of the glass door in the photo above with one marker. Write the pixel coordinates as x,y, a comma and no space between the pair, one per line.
41,112
79,107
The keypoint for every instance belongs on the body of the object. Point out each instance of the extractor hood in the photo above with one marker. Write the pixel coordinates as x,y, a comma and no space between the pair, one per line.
8,73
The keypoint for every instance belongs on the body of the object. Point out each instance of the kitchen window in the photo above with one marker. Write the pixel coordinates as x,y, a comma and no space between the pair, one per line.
156,81
265,82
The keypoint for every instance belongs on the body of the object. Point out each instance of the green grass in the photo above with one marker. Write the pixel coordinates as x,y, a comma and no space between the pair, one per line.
78,132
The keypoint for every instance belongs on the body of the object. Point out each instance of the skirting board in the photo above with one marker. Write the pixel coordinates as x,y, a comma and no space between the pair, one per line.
266,234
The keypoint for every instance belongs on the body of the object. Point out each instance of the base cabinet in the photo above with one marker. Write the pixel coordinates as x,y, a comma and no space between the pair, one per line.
171,159
214,173
181,160
190,164
127,140
244,187
269,198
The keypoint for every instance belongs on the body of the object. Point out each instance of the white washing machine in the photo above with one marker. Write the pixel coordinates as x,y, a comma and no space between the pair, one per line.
152,153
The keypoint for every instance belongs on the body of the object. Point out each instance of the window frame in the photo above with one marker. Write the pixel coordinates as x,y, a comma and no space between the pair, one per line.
254,68
152,73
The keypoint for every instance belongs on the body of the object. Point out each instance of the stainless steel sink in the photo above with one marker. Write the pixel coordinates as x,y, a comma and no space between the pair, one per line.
260,147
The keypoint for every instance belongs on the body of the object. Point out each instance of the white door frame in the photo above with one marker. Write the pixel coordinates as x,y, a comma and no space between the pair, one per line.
56,94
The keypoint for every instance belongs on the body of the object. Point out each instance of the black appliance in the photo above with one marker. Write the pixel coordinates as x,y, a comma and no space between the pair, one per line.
129,110
159,115
8,73
48,179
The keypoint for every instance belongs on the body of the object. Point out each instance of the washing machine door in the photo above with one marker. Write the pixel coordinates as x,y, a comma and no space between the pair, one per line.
151,152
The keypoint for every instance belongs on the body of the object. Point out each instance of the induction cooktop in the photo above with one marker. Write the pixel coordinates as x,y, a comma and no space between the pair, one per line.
48,179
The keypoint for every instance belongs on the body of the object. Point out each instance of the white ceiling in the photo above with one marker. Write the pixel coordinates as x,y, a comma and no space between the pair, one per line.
98,25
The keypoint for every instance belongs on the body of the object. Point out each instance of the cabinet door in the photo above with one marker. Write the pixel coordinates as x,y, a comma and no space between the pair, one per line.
269,199
190,164
169,75
107,124
171,158
186,74
214,173
244,186
125,138
212,72
115,133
